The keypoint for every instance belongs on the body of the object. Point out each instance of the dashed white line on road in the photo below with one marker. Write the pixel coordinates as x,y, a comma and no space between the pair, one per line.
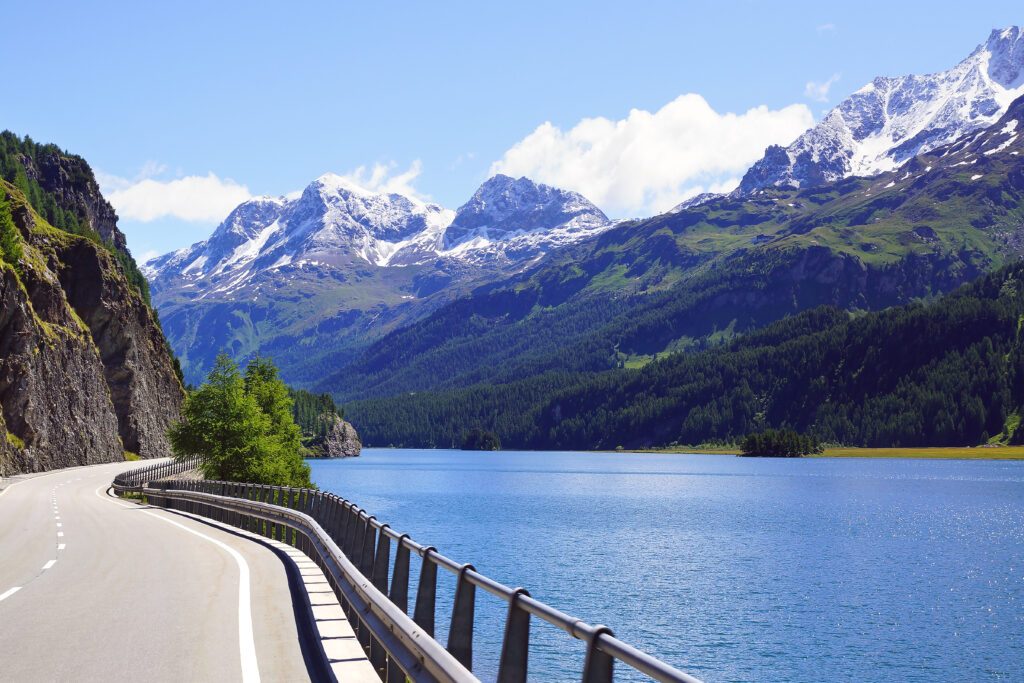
49,564
59,534
4,596
61,546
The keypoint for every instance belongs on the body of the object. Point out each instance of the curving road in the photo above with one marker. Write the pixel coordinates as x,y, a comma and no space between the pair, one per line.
93,588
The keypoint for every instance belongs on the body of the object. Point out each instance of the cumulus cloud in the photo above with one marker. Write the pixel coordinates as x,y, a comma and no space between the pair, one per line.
819,91
194,198
650,161
382,178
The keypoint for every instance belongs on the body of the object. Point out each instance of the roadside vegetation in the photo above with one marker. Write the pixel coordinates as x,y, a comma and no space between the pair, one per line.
242,427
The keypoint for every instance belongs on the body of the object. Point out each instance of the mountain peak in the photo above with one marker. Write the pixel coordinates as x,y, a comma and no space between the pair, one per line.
892,119
504,207
332,182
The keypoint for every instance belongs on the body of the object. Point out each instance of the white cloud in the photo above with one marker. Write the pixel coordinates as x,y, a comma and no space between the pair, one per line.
194,198
822,28
649,162
819,91
380,178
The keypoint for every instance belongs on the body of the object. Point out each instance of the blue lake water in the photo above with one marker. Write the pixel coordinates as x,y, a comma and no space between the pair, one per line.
731,569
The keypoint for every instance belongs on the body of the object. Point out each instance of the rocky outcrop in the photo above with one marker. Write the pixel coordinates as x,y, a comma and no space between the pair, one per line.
145,391
56,406
341,441
84,370
70,181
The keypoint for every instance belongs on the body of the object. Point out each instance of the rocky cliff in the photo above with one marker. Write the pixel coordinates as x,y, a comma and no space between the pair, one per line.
340,441
85,373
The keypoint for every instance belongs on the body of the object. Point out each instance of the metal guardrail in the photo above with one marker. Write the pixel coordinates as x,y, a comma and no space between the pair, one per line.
353,549
133,480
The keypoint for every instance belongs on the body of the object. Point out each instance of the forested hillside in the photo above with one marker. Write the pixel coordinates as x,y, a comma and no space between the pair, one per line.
686,280
948,372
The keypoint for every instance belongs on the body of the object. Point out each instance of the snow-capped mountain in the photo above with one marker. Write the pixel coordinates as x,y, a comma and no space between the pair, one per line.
312,274
520,218
331,222
890,120
335,223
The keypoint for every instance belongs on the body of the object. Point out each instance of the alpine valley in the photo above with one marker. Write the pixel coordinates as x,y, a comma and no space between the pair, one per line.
530,313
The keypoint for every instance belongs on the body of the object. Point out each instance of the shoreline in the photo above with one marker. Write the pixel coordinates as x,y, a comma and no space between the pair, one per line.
929,452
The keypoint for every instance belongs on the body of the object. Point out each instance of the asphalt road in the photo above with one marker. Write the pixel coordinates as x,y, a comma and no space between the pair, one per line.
93,588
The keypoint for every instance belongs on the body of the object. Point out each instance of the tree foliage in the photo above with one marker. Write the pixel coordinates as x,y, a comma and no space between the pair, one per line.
10,238
781,443
478,439
242,427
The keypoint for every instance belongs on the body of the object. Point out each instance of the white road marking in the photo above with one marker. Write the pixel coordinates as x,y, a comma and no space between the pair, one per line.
61,546
4,596
60,533
246,641
49,564
59,524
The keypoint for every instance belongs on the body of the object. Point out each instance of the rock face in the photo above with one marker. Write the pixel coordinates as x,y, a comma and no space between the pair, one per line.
145,391
56,406
85,373
341,441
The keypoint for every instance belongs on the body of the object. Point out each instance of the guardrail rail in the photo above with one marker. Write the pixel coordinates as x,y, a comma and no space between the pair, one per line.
354,550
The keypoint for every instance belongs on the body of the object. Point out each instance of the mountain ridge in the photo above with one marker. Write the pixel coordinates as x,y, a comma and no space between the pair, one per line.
892,119
337,257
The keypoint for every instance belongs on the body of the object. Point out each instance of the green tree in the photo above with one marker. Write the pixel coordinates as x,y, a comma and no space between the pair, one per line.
10,238
235,424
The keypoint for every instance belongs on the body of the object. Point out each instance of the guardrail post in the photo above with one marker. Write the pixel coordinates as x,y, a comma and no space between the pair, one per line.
382,561
400,578
378,656
348,543
426,593
598,666
358,539
366,557
334,518
275,499
293,501
460,635
515,649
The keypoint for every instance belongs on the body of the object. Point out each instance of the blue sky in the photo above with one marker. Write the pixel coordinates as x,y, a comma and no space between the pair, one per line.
185,108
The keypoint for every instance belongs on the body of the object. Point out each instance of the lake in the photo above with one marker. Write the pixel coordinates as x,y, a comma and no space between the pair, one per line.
731,569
